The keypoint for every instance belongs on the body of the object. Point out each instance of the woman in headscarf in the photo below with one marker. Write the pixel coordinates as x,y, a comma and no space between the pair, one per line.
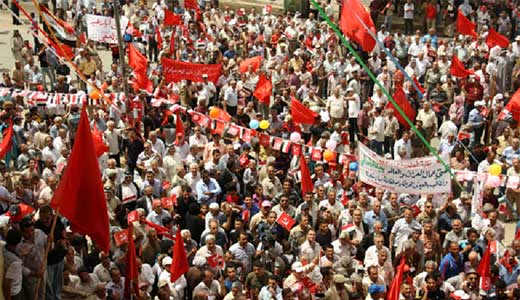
457,109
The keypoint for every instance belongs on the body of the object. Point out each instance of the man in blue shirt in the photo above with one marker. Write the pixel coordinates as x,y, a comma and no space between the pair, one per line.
452,264
376,214
208,189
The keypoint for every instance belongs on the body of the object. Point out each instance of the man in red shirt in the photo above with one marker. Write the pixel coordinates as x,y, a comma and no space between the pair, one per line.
474,92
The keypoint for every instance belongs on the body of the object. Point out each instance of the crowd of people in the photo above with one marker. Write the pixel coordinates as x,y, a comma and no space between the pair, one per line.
228,194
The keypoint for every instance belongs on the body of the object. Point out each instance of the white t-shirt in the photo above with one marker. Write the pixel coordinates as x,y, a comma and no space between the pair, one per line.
354,106
408,10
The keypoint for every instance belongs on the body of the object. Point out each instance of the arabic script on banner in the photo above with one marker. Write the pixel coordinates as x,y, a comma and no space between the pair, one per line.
103,29
425,175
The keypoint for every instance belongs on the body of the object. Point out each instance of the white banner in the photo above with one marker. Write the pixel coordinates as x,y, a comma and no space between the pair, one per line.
103,29
423,175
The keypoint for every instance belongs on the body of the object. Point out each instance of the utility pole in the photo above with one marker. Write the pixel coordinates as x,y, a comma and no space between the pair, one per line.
122,62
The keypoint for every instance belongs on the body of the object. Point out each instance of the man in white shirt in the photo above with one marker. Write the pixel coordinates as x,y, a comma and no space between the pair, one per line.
112,136
376,132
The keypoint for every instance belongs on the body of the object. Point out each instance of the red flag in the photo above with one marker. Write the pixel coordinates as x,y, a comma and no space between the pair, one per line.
175,71
191,4
215,261
132,273
457,68
172,45
121,237
83,38
136,59
483,269
161,230
139,63
263,90
169,202
419,86
465,26
401,100
158,37
179,260
496,39
171,19
7,141
395,287
352,14
285,221
253,61
80,196
513,106
132,217
300,113
99,145
307,186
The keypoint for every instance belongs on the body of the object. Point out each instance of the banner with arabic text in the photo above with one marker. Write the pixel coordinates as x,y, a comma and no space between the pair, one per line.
175,71
424,175
103,29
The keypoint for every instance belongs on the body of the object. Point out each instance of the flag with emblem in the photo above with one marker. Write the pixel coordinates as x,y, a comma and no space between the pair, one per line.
169,202
285,221
121,237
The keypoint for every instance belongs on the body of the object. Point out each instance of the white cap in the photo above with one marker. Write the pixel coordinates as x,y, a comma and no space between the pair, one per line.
167,261
479,103
297,267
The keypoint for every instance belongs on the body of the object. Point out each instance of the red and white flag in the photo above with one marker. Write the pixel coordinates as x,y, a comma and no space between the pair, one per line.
285,221
121,237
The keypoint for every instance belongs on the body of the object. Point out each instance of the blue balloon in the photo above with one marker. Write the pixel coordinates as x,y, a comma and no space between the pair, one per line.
253,124
353,166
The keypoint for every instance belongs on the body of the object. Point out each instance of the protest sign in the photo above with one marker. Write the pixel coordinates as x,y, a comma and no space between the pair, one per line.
103,29
175,71
425,175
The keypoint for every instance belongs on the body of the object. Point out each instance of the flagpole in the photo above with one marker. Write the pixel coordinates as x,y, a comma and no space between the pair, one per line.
122,62
43,268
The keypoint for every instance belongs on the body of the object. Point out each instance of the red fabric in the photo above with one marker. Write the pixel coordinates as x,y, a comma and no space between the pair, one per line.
285,221
158,37
25,210
179,127
457,68
83,38
132,272
139,63
172,45
401,100
505,262
263,90
171,19
7,141
191,4
62,50
300,113
496,39
306,186
175,71
421,89
431,11
99,145
395,288
350,24
80,196
215,261
253,61
483,269
179,260
513,106
121,237
465,26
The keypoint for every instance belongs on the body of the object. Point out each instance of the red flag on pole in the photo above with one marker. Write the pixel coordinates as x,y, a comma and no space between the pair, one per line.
80,196
263,90
99,145
457,68
496,39
513,106
255,62
395,287
483,269
300,113
179,260
465,26
179,127
402,101
285,221
306,186
352,14
171,19
158,37
132,273
139,63
191,4
7,141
